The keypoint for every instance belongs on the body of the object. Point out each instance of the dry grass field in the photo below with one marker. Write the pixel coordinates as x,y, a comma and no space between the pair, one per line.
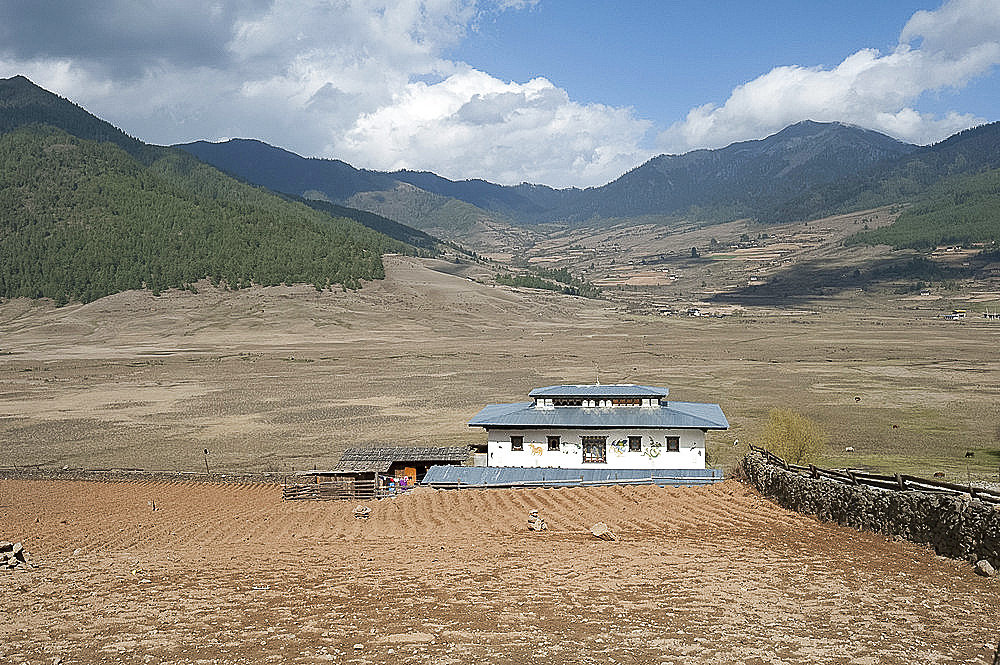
283,379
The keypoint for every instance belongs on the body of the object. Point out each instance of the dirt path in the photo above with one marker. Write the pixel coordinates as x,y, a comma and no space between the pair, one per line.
231,574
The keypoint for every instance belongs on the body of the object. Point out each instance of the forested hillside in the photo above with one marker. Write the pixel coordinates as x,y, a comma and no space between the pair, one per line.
898,181
958,210
80,220
23,103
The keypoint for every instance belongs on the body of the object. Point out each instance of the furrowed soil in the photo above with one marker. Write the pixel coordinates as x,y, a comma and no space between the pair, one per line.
228,573
269,381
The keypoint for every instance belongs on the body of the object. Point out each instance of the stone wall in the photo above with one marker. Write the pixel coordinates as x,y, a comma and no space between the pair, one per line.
956,526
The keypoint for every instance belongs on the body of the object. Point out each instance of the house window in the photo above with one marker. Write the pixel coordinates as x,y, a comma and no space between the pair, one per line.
565,401
516,443
554,443
626,401
595,449
635,444
673,444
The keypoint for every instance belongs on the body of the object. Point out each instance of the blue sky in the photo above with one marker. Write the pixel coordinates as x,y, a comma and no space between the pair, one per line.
558,92
663,58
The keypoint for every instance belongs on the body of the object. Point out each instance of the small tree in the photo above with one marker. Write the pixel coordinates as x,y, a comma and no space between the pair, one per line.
793,437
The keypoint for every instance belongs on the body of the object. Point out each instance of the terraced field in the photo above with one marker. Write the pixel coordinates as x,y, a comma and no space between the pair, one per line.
187,572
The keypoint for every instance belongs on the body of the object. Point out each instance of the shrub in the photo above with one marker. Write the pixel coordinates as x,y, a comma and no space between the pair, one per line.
793,437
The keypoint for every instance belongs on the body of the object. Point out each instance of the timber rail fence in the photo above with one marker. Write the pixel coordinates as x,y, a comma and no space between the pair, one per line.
337,490
900,482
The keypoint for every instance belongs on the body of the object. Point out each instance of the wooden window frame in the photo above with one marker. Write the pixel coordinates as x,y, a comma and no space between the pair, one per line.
595,449
554,443
635,444
673,444
517,443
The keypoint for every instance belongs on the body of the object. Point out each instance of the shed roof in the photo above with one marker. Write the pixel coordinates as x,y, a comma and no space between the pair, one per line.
379,459
599,390
671,415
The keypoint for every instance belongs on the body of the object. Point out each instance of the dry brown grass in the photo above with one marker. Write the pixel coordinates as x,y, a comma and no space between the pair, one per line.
283,378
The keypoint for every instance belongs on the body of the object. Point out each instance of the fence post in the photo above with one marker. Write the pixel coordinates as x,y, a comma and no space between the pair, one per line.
900,482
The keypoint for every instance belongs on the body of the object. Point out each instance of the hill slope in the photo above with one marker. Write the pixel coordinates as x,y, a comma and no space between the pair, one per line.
740,180
716,185
85,216
899,180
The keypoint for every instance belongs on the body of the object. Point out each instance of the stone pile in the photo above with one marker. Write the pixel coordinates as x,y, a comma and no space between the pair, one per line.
12,555
536,523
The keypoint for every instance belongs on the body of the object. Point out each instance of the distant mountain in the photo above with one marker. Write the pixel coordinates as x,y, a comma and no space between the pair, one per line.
284,171
899,180
420,200
742,179
86,216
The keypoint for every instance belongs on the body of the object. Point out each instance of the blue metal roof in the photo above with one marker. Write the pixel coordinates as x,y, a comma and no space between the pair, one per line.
515,476
596,391
670,415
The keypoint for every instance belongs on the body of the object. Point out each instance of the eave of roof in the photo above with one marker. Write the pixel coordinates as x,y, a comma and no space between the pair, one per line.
670,415
600,390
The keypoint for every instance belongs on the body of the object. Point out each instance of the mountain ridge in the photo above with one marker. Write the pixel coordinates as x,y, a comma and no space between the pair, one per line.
741,179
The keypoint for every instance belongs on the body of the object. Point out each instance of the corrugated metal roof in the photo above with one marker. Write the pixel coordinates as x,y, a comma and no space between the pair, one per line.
513,476
406,453
670,415
378,459
598,390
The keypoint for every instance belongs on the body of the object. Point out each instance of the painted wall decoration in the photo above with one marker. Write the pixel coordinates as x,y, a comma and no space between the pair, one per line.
652,451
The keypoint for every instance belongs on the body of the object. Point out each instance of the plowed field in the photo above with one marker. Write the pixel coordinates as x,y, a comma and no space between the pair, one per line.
186,572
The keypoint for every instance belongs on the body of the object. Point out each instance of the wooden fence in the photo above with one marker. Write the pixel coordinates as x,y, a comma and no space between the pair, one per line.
898,482
345,489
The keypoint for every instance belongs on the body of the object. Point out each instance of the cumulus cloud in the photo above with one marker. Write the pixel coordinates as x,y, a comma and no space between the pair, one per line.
515,132
937,50
359,80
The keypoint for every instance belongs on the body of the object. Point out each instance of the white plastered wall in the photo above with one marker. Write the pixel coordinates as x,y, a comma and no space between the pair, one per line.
654,454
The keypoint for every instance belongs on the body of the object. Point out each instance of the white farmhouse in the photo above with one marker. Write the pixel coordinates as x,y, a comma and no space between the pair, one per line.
599,427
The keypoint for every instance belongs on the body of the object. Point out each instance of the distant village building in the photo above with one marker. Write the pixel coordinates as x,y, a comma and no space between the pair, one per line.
599,426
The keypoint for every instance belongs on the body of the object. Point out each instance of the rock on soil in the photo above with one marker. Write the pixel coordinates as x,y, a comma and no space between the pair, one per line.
12,555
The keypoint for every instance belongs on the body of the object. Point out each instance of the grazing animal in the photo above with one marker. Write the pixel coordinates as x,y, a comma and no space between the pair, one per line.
939,474
849,449
536,450
970,454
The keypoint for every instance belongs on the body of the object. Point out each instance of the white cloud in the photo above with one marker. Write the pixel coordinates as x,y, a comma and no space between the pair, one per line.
359,80
938,50
473,123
